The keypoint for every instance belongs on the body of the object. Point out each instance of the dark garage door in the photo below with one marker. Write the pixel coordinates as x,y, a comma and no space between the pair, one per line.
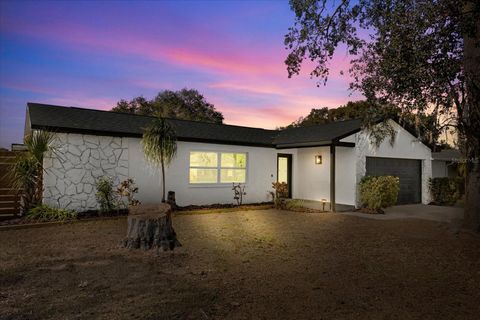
408,171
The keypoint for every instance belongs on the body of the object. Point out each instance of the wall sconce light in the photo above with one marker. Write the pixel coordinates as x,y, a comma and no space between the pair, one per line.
318,159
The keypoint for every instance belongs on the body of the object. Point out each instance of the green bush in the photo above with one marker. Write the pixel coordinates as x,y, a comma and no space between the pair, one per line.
105,195
445,191
379,192
47,213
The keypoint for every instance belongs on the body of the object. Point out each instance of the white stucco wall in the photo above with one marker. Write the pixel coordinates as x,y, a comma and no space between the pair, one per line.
77,162
345,178
406,146
313,180
261,172
439,169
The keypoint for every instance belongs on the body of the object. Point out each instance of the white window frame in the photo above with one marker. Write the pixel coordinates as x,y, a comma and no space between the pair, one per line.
218,168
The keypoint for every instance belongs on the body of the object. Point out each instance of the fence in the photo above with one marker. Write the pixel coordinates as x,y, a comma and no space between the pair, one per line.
9,196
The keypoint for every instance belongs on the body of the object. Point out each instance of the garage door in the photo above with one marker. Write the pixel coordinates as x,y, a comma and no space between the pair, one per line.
408,171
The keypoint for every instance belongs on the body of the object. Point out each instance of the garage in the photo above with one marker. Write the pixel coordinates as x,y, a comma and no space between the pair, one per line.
407,170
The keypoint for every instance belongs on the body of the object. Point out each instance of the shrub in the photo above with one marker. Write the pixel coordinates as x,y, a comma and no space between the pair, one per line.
128,189
445,191
379,192
47,213
281,192
238,193
105,195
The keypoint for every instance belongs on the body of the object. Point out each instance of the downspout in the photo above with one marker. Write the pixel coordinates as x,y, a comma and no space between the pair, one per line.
332,177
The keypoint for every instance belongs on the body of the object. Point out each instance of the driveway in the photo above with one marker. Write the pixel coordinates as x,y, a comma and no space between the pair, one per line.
416,211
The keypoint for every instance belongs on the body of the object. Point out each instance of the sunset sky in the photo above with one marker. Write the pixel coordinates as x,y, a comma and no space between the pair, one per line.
92,54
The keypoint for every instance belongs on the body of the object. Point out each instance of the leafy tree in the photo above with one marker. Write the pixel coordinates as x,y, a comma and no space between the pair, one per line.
138,105
187,104
418,55
426,126
160,146
352,110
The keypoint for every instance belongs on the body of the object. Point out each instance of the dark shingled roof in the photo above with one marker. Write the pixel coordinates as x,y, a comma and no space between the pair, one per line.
324,133
90,121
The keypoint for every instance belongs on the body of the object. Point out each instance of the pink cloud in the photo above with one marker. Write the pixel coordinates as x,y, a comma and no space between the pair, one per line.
126,42
245,73
66,97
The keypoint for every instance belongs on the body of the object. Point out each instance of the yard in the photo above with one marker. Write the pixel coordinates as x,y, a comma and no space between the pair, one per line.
244,265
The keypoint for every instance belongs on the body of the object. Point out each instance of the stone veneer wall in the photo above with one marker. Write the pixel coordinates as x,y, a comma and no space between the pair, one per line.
79,161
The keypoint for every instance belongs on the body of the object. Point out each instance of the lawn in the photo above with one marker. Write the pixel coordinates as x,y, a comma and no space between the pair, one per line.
244,265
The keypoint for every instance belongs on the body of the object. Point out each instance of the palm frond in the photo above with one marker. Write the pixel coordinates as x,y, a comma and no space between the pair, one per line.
159,142
39,142
26,173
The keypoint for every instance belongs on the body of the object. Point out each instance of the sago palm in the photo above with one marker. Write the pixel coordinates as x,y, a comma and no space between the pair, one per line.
159,143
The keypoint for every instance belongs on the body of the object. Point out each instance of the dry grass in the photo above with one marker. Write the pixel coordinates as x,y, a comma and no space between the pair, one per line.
244,265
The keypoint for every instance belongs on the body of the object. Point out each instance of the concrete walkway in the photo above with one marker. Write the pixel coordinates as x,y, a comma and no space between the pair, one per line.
416,211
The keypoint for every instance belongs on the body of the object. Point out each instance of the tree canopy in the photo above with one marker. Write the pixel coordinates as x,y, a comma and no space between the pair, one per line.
425,126
186,104
422,56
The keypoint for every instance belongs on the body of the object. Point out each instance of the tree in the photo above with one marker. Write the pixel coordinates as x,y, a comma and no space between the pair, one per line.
427,127
138,105
352,110
27,172
186,104
159,143
419,55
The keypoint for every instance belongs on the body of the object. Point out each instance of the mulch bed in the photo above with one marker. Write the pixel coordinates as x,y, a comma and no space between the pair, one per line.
222,206
85,215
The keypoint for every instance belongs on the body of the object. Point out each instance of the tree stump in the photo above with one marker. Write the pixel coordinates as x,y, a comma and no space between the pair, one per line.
150,226
171,200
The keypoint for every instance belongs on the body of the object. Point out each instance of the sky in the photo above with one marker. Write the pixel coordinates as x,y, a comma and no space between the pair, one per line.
92,54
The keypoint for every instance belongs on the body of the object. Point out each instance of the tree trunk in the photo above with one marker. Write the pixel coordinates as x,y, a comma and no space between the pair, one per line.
163,181
171,200
150,226
471,124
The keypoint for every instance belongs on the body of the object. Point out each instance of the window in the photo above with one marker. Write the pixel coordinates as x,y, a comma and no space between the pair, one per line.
233,167
217,167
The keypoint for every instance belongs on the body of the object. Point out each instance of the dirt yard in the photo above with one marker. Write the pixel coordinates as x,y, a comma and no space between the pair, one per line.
244,265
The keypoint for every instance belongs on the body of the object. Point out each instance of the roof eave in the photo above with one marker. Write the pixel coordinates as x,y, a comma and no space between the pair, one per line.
312,144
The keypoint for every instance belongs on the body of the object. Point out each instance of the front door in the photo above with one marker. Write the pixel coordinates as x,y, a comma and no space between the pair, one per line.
284,170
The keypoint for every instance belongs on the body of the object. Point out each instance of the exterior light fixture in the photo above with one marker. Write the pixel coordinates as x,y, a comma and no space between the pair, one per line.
323,204
318,159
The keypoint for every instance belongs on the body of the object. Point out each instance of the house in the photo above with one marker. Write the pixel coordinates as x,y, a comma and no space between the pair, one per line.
319,163
445,163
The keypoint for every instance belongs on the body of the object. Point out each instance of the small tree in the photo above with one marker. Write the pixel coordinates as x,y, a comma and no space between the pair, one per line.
160,146
27,172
